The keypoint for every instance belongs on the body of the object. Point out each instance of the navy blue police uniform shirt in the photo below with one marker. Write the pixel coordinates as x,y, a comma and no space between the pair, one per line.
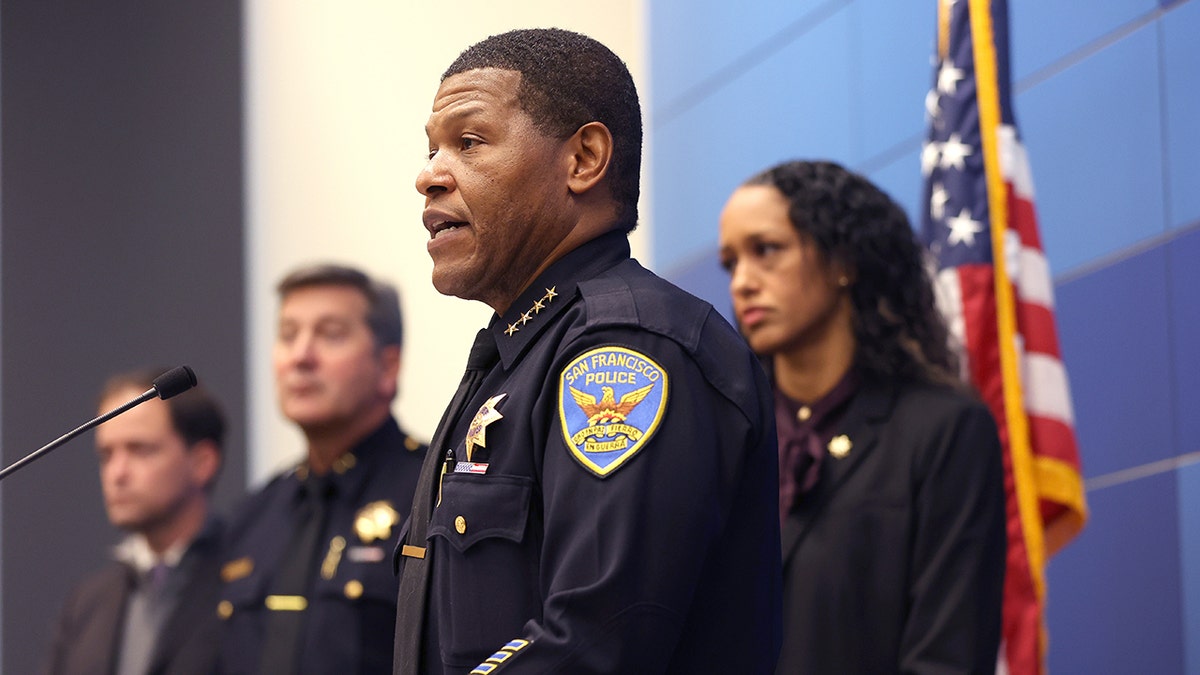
610,502
351,606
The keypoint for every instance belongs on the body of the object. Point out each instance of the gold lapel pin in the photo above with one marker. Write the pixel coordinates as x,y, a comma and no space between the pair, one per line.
839,446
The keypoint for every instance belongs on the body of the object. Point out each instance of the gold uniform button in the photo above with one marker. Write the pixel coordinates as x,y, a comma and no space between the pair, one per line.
354,589
460,525
225,609
804,413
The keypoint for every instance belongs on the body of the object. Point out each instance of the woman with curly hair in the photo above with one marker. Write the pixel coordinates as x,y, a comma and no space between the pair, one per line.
891,496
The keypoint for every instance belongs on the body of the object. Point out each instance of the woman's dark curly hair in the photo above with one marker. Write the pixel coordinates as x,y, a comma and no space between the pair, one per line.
855,224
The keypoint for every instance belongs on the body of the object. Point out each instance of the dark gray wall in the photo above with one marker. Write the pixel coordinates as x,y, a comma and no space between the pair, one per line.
120,245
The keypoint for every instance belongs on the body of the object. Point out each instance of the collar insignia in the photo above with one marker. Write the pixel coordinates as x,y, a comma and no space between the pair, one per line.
538,306
236,569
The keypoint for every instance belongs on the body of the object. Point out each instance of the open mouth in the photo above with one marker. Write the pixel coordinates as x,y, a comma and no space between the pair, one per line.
442,228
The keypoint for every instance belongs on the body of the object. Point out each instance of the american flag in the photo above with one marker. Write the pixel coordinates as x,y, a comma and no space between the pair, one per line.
995,289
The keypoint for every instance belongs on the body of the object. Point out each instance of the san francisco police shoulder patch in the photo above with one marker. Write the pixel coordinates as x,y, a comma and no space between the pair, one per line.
610,402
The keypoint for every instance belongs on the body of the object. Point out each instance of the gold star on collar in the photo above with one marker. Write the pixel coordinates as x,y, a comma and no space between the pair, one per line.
476,434
538,306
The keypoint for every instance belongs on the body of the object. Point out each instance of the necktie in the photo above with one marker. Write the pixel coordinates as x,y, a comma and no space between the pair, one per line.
145,614
290,590
410,605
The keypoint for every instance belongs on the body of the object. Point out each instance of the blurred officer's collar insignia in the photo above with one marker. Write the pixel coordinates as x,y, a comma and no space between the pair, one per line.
375,521
236,569
344,463
538,306
610,402
340,466
477,432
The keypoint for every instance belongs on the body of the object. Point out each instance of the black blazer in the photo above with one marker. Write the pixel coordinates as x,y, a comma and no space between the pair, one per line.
88,634
894,562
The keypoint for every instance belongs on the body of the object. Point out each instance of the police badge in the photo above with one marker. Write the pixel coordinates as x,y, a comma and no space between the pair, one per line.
610,402
375,521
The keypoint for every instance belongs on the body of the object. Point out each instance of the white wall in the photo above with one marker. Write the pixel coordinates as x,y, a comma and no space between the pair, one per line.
337,94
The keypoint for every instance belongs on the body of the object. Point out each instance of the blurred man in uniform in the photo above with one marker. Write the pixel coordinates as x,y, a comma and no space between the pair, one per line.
309,586
152,611
601,496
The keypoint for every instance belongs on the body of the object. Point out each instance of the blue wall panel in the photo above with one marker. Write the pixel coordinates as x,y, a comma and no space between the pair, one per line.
902,179
780,110
1094,138
892,45
692,40
1183,254
1189,545
1184,261
1182,74
1114,593
1046,31
1113,330
698,278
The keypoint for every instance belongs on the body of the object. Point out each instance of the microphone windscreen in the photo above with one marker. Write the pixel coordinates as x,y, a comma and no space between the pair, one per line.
175,381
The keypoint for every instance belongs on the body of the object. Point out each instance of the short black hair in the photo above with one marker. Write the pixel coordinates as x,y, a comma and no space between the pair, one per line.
899,331
383,302
567,81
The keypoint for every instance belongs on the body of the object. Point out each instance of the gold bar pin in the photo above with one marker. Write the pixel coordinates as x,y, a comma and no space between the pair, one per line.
333,557
286,603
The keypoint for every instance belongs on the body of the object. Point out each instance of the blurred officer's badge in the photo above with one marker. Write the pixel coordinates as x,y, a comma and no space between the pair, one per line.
610,402
375,521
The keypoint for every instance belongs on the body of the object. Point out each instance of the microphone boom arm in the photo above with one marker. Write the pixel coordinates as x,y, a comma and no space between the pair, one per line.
168,384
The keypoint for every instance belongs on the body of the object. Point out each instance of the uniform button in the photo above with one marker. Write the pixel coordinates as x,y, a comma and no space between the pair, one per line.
354,589
804,413
225,609
460,525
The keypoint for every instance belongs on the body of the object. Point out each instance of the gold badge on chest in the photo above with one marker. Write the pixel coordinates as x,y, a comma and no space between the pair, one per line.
375,520
839,446
477,433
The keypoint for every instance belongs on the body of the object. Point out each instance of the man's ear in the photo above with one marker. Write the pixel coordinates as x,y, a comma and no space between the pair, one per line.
389,359
591,151
205,460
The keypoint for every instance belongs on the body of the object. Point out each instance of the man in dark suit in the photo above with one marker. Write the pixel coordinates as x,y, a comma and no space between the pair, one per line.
153,610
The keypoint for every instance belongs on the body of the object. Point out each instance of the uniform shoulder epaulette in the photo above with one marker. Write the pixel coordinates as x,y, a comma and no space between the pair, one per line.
638,297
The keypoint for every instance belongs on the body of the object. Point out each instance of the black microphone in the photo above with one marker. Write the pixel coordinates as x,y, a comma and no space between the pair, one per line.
171,383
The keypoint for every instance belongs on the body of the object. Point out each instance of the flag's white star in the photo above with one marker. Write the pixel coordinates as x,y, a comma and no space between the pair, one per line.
929,156
933,106
963,229
954,151
937,201
948,77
